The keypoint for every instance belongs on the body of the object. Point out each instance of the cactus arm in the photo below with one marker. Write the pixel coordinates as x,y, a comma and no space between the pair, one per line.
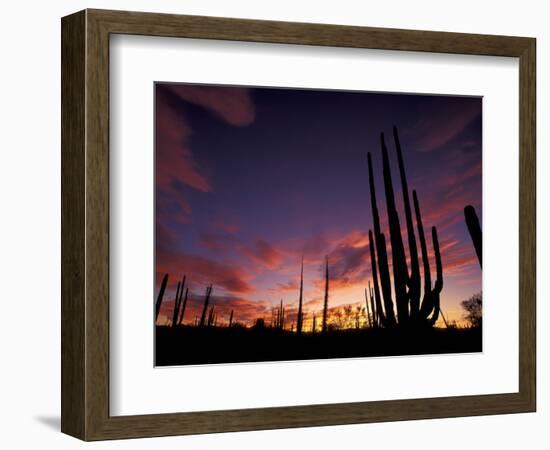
438,286
384,318
472,222
158,303
400,272
427,303
380,241
414,277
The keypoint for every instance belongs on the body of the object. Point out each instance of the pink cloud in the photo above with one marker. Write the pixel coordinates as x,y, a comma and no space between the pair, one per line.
201,270
264,253
175,162
233,105
174,158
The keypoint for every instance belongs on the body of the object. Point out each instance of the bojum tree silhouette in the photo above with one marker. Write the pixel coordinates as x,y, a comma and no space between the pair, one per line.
413,309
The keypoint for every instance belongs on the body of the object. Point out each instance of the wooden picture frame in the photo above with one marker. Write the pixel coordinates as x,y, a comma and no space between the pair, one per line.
85,224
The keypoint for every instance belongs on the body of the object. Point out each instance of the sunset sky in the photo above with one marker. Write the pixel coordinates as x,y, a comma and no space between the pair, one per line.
249,181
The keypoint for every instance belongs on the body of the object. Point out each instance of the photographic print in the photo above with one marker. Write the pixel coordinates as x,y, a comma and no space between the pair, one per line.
301,224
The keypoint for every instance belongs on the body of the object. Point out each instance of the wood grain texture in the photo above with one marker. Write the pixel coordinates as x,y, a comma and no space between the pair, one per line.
73,226
85,224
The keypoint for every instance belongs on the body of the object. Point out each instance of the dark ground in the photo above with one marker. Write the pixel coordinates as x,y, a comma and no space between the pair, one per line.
192,345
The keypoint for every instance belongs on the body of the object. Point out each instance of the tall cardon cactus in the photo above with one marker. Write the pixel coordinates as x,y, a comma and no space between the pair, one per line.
412,306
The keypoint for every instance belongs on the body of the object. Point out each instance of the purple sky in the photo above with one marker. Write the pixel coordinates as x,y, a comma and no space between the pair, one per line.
249,180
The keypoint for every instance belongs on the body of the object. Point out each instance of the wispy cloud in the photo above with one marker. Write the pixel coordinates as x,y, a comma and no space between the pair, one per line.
176,168
443,122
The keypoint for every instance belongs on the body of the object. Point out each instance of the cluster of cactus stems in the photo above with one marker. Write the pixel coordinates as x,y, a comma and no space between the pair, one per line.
278,321
472,222
412,308
208,317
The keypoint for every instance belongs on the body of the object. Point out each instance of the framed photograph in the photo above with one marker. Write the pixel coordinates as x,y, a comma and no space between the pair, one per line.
271,225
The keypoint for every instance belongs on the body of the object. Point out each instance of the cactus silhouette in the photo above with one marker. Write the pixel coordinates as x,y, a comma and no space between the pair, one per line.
281,324
375,320
300,318
210,321
205,306
411,309
472,222
183,306
279,321
314,324
370,315
231,319
325,306
178,302
160,296
379,314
